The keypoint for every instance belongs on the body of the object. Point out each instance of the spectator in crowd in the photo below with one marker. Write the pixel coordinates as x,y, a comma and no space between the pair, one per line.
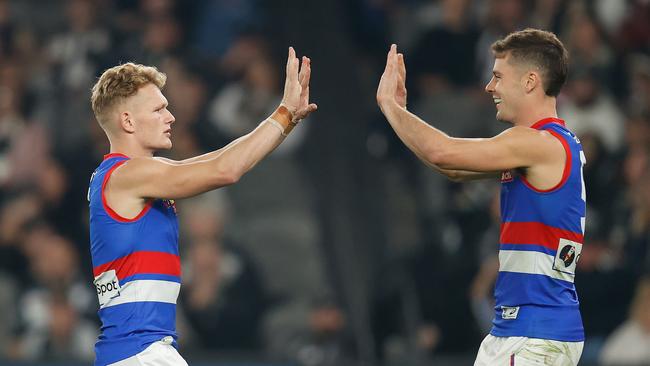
223,299
591,109
457,35
55,313
588,48
629,344
75,56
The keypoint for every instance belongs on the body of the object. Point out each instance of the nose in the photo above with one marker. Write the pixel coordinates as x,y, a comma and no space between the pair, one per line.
172,119
490,86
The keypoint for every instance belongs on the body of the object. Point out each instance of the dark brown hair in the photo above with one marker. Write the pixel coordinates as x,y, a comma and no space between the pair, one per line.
541,49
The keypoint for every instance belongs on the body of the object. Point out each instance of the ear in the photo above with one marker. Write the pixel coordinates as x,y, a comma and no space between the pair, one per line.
126,122
532,81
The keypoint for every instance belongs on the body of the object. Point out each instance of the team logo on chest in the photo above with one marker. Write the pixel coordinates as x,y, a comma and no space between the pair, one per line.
506,176
170,204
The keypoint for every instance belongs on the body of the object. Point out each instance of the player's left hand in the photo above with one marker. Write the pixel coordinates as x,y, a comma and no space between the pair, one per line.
296,87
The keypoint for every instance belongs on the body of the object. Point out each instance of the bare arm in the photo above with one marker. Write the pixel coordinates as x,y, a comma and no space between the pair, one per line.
164,178
157,178
517,147
466,175
457,175
400,96
198,158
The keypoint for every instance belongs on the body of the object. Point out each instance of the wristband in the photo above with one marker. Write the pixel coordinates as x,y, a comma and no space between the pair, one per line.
276,124
284,118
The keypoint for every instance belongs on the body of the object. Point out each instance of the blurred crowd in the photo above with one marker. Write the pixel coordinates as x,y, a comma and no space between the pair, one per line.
340,247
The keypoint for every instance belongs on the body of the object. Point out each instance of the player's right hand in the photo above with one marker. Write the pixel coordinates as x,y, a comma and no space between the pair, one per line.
296,87
392,86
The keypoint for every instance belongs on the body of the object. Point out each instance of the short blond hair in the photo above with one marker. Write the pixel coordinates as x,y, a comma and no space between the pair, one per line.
121,82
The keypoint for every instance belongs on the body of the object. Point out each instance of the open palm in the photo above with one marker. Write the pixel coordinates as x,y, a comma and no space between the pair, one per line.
296,87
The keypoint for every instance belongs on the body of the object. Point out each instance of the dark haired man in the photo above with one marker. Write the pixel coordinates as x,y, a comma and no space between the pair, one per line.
537,317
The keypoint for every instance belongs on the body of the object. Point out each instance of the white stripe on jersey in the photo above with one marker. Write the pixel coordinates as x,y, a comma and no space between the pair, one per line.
146,290
531,262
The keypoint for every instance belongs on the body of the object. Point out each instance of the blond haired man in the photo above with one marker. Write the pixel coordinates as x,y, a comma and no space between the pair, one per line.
133,225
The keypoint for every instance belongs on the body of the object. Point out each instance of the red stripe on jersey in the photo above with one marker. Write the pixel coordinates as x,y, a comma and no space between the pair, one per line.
142,262
536,233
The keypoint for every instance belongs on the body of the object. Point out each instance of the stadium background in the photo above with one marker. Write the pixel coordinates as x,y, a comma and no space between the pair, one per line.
340,248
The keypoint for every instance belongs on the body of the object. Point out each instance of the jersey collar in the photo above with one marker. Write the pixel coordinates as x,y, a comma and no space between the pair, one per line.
541,123
115,155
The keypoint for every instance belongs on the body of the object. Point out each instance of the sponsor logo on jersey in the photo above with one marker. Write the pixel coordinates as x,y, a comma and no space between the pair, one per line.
568,254
107,286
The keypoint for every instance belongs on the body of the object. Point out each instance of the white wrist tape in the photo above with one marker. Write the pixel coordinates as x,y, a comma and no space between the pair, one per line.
276,124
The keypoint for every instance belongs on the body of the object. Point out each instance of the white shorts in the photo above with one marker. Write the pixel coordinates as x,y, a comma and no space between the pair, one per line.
160,353
523,351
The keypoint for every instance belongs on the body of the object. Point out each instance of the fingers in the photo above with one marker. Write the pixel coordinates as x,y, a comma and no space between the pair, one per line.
389,80
392,61
304,96
301,74
303,113
305,76
305,72
292,64
291,54
401,67
389,57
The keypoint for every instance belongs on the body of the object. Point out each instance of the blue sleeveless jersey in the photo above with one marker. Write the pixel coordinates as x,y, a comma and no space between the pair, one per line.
136,268
541,240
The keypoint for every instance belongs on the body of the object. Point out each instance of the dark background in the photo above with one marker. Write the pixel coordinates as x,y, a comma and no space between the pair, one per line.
340,248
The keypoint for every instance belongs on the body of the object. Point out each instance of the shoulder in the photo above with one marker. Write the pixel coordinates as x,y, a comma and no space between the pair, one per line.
135,170
529,137
538,146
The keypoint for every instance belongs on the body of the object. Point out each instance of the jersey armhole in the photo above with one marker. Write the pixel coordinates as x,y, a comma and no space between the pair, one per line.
114,215
565,173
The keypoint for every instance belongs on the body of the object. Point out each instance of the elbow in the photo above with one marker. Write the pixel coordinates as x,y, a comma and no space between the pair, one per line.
232,177
454,176
441,155
435,156
227,177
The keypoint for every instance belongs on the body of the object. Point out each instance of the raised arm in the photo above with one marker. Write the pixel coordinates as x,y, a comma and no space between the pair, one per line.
399,96
460,159
164,178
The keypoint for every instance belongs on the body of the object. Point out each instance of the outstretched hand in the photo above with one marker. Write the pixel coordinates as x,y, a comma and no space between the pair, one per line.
296,87
392,86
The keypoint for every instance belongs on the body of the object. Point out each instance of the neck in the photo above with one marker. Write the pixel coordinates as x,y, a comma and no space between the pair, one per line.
537,111
129,148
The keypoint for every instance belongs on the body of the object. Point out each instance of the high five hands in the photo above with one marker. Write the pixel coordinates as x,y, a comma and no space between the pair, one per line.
392,86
